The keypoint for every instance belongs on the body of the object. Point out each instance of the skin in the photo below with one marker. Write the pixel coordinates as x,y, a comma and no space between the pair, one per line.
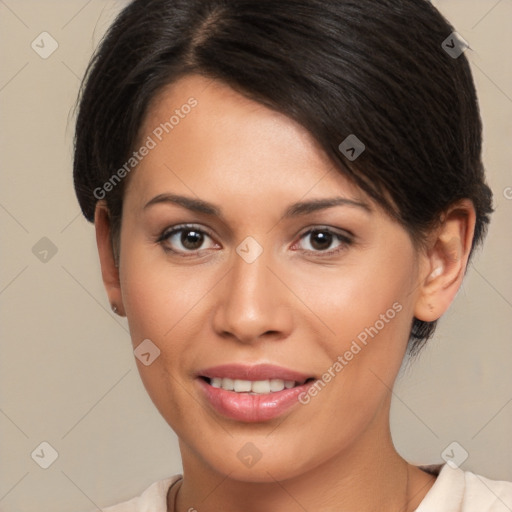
293,306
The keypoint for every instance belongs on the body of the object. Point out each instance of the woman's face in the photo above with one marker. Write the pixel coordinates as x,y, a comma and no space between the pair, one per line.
262,273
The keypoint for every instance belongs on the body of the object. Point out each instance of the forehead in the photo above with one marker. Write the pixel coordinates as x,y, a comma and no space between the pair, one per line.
207,137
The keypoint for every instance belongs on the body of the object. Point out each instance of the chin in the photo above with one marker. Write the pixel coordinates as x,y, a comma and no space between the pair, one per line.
240,459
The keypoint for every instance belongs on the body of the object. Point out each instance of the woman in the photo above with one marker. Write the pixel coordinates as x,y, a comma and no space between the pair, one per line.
286,197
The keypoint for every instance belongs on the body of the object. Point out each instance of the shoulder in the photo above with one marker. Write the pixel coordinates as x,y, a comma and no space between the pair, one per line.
456,490
153,499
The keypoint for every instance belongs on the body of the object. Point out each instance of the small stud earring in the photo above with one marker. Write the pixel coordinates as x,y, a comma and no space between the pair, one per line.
114,308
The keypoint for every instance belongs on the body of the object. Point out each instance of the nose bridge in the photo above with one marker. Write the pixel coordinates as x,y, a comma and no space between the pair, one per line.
252,303
249,281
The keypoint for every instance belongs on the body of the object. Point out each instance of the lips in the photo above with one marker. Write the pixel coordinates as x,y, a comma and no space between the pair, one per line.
253,372
252,393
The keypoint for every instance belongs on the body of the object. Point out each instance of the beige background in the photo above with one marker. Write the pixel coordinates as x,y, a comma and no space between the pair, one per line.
67,372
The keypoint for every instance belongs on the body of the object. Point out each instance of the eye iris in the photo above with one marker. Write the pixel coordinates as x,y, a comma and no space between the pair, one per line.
321,239
192,239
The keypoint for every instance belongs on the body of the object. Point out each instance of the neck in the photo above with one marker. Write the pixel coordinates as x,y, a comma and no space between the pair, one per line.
370,476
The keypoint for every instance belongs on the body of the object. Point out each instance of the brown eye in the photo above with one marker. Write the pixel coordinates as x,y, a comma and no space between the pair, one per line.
323,240
186,239
191,239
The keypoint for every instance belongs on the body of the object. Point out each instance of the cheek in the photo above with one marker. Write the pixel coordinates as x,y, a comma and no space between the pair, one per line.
164,304
157,296
355,301
157,308
142,299
367,311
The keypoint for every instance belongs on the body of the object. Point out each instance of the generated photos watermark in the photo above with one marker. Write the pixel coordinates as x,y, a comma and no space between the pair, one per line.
150,143
356,346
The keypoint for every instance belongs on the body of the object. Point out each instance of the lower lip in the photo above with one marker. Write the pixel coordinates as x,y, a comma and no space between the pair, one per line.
252,408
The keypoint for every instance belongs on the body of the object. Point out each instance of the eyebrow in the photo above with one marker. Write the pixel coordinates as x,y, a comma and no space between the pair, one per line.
305,207
195,205
294,210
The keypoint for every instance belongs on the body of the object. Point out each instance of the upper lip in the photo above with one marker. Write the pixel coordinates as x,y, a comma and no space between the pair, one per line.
253,372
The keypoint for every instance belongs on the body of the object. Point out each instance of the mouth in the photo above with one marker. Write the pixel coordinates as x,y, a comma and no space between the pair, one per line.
252,393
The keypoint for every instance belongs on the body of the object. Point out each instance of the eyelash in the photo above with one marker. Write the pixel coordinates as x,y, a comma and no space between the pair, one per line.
167,233
344,239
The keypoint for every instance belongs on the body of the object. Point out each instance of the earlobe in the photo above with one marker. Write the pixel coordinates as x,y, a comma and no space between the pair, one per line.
109,268
446,261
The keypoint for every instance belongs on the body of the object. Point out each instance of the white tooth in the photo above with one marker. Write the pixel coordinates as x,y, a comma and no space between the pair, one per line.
216,382
240,385
276,384
258,387
261,386
227,384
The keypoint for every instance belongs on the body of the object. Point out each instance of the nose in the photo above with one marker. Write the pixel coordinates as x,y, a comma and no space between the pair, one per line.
252,303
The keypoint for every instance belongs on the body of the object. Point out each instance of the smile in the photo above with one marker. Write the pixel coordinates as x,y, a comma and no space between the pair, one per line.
252,393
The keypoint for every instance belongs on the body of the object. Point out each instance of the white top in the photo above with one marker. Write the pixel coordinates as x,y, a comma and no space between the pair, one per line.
453,491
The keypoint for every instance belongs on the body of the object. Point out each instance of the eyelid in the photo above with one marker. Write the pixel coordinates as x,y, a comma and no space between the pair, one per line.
335,231
168,232
345,238
179,227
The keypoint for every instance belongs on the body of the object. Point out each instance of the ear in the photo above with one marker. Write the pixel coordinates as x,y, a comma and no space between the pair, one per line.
445,261
109,268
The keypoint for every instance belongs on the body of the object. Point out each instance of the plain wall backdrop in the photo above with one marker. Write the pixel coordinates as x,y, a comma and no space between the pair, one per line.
67,372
